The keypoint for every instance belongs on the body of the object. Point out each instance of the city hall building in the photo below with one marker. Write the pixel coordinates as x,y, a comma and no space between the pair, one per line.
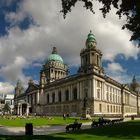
89,92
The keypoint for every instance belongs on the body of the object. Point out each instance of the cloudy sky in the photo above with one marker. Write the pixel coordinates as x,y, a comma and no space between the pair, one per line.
30,28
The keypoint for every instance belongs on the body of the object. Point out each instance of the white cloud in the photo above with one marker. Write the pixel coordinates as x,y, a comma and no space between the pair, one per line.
21,47
115,67
6,88
13,71
70,34
117,72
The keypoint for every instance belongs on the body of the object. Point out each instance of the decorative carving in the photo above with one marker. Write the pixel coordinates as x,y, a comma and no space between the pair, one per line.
31,88
54,50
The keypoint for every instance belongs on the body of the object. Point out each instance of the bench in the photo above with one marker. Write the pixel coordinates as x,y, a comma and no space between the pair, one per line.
75,126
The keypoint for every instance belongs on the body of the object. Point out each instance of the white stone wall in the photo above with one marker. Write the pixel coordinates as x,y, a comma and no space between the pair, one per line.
109,99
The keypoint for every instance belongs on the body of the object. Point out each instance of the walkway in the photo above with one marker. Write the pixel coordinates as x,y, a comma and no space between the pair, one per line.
42,130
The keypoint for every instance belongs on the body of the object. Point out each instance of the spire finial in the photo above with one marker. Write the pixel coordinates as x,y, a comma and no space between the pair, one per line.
54,50
134,78
90,31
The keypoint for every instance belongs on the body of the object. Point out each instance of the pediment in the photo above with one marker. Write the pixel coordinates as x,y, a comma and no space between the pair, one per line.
32,88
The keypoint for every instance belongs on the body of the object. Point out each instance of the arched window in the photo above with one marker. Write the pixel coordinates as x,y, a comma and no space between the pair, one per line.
48,98
53,97
67,95
59,96
75,93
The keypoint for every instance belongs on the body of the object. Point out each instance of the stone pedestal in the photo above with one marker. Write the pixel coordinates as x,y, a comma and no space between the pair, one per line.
85,113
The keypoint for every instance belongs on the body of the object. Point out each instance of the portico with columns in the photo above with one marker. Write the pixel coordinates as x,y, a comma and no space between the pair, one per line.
23,109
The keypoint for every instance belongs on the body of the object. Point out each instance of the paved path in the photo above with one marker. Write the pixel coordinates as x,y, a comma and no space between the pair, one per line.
42,130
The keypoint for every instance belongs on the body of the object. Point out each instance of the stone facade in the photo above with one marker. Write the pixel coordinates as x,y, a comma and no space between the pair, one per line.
89,92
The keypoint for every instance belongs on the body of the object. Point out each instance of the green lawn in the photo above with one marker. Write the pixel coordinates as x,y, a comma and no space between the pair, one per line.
36,121
124,131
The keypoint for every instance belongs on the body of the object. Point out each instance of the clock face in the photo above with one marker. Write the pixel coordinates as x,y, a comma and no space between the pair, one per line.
91,45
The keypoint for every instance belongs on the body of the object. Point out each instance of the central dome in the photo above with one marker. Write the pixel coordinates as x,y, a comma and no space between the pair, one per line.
54,56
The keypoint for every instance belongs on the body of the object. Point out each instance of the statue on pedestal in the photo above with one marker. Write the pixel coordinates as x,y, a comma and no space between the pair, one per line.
85,102
85,113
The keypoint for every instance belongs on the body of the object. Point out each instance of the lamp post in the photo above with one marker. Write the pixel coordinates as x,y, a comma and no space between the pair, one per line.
138,91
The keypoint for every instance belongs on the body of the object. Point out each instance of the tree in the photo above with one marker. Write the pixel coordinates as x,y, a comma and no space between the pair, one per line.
128,8
6,108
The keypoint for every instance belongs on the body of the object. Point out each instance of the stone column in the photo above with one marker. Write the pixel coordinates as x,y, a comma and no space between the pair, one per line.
27,110
18,110
37,100
122,101
70,92
95,88
77,85
137,103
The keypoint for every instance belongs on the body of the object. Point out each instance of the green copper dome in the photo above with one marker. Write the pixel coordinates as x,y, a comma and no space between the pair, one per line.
55,57
91,37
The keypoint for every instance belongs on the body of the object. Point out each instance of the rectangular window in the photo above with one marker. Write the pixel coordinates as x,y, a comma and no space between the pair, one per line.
59,96
8,102
107,108
117,109
48,98
107,97
107,88
35,96
75,93
53,97
100,107
98,84
111,97
66,95
98,93
111,108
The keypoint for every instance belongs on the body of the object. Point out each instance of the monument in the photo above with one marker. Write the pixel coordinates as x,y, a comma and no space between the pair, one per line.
85,110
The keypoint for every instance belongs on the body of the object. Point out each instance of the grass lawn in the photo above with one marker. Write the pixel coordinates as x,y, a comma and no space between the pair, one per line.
36,121
125,131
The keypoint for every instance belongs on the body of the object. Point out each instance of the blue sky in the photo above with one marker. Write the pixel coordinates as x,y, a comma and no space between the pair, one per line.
30,28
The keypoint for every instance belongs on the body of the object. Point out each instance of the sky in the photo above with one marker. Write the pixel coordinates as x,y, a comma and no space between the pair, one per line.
30,28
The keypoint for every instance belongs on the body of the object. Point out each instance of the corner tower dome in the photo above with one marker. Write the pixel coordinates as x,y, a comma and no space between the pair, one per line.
54,56
91,41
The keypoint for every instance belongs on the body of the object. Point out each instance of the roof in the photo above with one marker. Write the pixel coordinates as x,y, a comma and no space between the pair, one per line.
9,96
91,37
55,57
